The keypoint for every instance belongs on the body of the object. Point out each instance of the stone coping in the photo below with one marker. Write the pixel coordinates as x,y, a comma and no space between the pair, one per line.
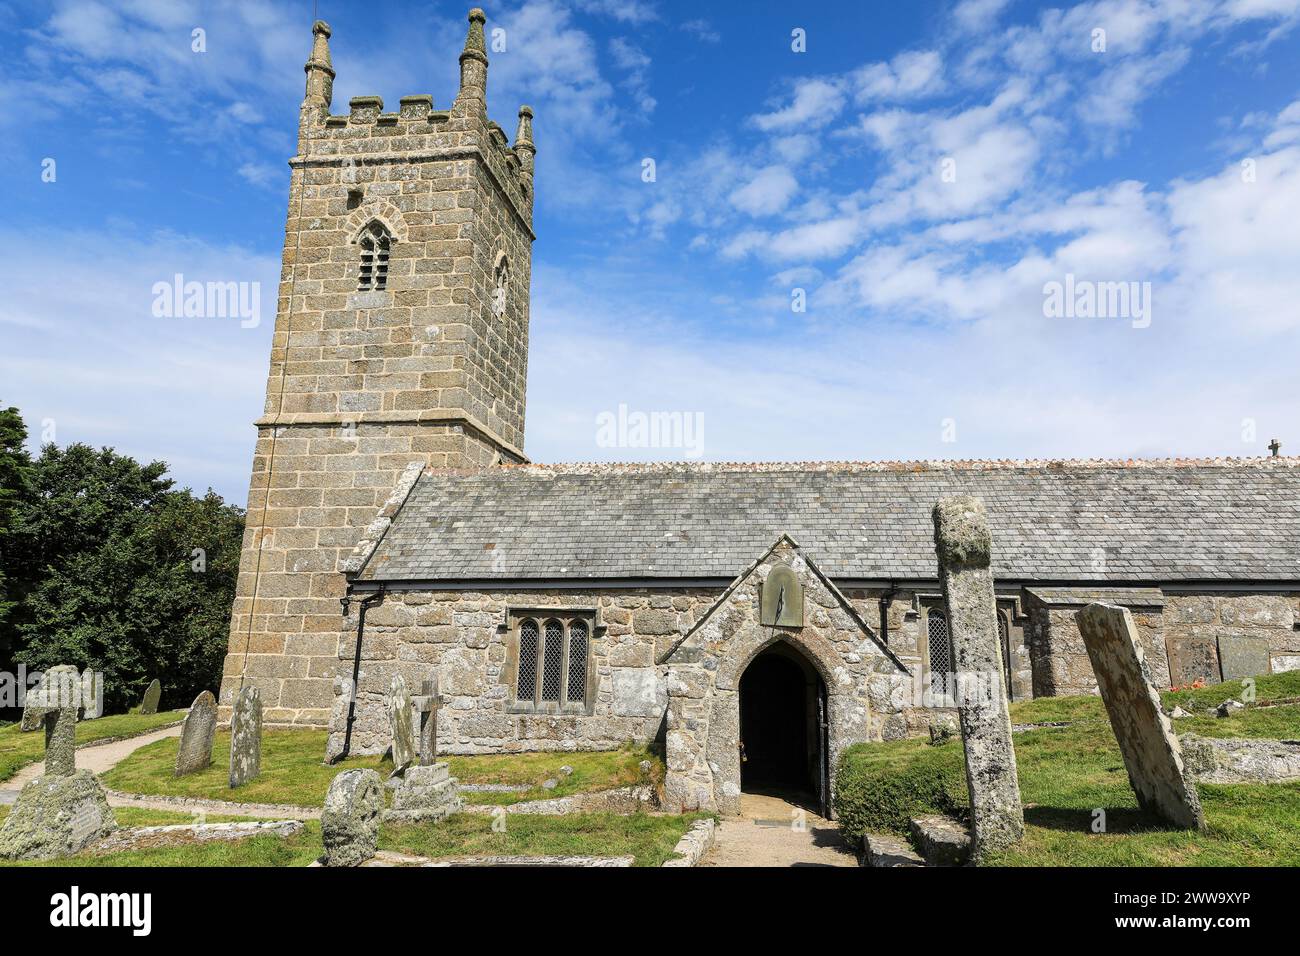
695,842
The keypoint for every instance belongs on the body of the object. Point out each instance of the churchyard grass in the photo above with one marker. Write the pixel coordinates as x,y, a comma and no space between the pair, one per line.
17,749
293,772
1068,773
649,839
147,817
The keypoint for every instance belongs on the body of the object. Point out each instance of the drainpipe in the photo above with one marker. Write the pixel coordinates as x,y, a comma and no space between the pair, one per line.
365,604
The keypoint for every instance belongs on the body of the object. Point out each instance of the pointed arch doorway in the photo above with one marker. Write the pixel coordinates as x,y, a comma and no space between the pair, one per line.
784,729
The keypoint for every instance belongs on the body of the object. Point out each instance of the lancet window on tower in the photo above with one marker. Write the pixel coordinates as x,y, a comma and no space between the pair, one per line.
376,244
500,286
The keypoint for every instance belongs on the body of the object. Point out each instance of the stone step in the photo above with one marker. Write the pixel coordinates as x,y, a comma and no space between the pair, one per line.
884,849
942,840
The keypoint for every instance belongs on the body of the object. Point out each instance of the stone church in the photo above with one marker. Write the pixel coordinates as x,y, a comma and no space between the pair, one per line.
755,619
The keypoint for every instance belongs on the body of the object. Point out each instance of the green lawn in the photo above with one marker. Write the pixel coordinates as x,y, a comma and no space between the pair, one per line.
17,749
293,772
1067,773
650,839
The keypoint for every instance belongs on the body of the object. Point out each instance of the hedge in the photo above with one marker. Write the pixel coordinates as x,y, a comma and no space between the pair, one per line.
879,787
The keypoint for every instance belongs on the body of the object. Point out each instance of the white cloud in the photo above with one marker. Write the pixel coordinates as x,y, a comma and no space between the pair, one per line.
816,102
908,75
769,191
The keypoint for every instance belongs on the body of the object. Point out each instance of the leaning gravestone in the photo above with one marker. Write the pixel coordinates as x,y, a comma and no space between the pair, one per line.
246,737
65,810
195,751
398,704
964,547
152,694
349,823
1151,752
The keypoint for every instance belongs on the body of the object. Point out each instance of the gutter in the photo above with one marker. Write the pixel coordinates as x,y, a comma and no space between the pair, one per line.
365,603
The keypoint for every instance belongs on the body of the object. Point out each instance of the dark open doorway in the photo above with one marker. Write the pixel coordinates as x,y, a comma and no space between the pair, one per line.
783,728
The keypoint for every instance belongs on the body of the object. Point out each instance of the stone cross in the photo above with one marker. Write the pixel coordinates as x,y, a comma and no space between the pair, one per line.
426,705
964,547
246,737
54,704
1146,738
152,693
397,702
195,750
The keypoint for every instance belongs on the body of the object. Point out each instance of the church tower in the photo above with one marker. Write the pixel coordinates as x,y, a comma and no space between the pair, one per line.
401,336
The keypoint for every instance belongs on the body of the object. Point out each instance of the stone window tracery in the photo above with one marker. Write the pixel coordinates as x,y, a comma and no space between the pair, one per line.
550,661
376,245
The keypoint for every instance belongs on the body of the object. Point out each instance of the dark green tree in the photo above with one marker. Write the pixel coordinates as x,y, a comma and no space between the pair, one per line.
15,493
127,575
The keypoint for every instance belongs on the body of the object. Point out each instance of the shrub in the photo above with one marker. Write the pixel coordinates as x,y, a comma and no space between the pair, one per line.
879,787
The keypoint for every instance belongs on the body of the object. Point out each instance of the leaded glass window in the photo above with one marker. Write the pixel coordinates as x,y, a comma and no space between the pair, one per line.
552,657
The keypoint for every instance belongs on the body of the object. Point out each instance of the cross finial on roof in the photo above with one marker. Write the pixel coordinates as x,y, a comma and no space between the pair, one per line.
1275,447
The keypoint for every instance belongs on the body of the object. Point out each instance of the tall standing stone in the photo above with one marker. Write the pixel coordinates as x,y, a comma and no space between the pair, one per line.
246,737
401,723
1146,738
152,694
349,823
964,548
195,750
54,704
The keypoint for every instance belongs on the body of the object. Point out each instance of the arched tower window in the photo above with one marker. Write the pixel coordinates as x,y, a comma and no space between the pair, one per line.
500,285
376,243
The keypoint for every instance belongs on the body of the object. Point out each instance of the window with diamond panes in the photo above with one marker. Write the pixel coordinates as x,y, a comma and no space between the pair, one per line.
375,247
552,656
526,682
940,652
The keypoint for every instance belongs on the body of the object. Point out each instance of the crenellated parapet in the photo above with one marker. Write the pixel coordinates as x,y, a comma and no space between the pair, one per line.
366,138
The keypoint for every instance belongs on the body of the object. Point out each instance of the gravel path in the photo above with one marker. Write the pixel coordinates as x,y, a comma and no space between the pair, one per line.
768,834
99,758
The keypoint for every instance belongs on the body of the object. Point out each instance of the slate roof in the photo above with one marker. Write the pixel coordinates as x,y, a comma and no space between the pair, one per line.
1154,521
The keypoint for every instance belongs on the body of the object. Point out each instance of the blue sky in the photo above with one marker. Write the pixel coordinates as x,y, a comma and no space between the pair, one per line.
921,171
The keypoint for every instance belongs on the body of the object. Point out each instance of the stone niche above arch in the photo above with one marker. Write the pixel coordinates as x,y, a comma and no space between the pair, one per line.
380,210
865,683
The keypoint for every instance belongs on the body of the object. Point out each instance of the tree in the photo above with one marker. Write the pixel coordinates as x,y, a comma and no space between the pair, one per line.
15,492
126,575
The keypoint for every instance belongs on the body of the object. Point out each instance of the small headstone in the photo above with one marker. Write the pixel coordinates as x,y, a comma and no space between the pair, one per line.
55,817
92,695
350,820
566,770
246,737
195,750
550,784
152,694
1146,738
53,704
1192,659
1178,712
964,548
397,702
1228,708
1241,657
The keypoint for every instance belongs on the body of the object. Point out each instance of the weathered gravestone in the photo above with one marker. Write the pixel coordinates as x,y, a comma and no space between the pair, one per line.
349,823
152,694
246,737
92,695
1146,739
426,794
1241,657
195,751
1192,659
397,702
65,810
426,705
964,547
